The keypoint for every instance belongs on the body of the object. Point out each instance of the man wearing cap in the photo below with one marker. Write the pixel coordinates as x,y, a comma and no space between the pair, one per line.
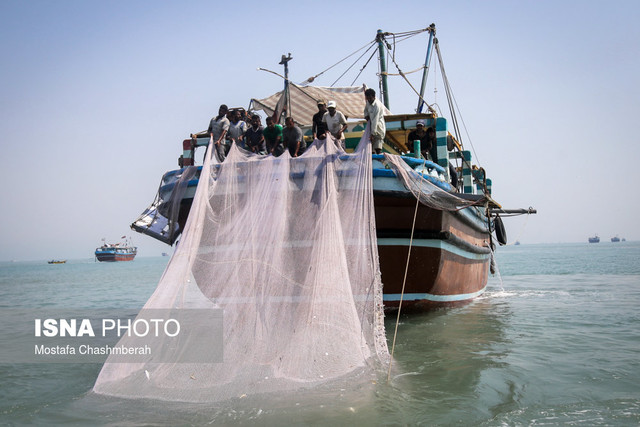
420,134
336,122
374,113
319,127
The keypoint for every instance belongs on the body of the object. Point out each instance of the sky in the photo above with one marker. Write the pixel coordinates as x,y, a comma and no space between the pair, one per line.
96,98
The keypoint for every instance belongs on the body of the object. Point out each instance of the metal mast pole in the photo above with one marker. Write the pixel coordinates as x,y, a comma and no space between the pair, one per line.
383,68
285,61
425,73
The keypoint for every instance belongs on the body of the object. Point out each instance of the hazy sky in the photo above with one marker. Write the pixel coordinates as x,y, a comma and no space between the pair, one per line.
96,98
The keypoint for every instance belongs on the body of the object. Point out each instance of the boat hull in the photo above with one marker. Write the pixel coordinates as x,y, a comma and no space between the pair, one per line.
449,257
112,256
448,253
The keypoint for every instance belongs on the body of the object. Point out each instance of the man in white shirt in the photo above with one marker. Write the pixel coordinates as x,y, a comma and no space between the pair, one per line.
218,128
374,113
336,122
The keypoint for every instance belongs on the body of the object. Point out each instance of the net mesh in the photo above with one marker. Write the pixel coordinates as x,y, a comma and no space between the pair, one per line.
286,247
426,192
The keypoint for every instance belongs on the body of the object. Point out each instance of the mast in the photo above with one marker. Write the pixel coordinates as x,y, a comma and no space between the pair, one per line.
383,68
285,61
425,72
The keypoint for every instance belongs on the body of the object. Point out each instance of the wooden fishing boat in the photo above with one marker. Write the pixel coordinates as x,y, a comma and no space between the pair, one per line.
57,261
431,254
112,252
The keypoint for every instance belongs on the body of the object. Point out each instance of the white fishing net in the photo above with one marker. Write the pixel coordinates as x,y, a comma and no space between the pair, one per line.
286,247
426,192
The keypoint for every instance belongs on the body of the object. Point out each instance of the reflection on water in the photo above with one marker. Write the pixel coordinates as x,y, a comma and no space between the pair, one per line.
440,359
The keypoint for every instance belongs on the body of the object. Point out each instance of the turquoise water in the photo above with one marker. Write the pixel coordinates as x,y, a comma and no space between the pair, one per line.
555,340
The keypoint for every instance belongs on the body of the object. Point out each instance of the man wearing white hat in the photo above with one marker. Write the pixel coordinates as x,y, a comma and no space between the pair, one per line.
336,122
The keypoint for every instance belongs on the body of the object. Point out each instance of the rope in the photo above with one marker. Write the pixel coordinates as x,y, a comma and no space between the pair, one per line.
403,75
407,72
452,107
355,62
363,67
404,281
311,79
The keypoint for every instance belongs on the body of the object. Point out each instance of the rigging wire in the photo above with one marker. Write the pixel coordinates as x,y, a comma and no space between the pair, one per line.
311,79
355,62
363,67
400,38
453,106
403,75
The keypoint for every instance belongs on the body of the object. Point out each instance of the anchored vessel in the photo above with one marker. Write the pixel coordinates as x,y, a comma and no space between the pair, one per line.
111,252
434,215
594,239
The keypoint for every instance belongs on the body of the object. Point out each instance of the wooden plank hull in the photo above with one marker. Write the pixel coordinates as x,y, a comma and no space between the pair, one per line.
449,261
450,255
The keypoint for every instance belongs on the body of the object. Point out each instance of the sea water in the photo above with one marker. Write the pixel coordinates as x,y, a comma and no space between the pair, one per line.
555,340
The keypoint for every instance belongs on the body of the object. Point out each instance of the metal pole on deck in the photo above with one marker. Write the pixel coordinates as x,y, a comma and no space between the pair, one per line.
285,61
425,72
383,68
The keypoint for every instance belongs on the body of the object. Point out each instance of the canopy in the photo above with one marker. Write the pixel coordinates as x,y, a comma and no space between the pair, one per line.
304,101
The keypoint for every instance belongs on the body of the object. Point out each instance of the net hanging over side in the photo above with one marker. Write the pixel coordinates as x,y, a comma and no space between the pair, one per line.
426,192
286,248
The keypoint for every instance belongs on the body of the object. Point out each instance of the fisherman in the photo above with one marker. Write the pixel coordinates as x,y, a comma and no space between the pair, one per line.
292,138
218,128
273,137
374,113
420,134
318,125
433,145
253,137
237,129
430,151
336,123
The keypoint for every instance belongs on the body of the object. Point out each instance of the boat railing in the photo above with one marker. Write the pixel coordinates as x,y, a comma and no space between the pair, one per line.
473,179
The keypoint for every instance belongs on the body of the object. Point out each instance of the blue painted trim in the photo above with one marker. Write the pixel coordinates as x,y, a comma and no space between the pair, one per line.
432,243
413,162
434,298
385,173
169,187
177,171
388,173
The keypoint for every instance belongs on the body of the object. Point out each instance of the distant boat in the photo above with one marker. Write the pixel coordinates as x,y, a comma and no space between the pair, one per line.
57,261
517,242
615,239
165,254
594,239
111,252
